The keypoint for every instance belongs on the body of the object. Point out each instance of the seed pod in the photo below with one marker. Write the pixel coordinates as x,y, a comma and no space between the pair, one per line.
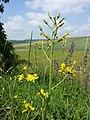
45,22
40,28
58,16
61,20
49,16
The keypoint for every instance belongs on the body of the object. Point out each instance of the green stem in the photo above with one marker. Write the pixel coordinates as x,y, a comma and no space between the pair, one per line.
43,109
51,68
60,82
45,54
29,54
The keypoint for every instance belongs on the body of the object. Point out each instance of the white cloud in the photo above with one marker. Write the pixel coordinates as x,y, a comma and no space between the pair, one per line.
19,27
16,27
34,4
36,16
14,23
64,6
78,30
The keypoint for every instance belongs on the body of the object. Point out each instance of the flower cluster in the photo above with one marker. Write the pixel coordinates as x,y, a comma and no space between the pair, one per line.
29,77
20,77
42,93
68,69
27,107
32,77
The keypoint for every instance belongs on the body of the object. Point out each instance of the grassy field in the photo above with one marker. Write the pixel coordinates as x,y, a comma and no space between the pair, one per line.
27,92
59,49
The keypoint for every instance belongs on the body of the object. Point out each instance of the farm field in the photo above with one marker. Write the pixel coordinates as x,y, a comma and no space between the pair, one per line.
26,94
60,50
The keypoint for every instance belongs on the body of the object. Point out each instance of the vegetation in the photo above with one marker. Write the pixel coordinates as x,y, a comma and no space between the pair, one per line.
7,52
51,84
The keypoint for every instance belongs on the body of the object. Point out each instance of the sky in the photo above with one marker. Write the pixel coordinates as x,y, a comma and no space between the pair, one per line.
21,17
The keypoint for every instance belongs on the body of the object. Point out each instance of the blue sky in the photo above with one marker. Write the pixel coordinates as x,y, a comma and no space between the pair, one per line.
23,16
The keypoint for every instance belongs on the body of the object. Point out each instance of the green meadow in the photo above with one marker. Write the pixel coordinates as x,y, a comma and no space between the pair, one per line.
25,91
60,50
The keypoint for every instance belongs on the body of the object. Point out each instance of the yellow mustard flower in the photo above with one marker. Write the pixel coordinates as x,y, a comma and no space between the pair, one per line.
42,93
32,77
67,69
21,77
63,66
27,107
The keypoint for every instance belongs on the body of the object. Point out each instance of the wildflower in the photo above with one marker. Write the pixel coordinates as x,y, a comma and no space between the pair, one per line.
42,93
32,77
27,107
15,96
25,68
63,66
74,72
24,101
67,69
21,77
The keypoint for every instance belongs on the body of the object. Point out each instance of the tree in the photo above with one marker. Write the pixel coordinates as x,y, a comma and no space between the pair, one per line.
8,58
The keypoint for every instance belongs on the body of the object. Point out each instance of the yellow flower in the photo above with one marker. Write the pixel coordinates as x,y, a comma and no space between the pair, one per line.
74,72
15,96
42,93
24,101
25,68
32,77
27,107
20,77
67,69
63,66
